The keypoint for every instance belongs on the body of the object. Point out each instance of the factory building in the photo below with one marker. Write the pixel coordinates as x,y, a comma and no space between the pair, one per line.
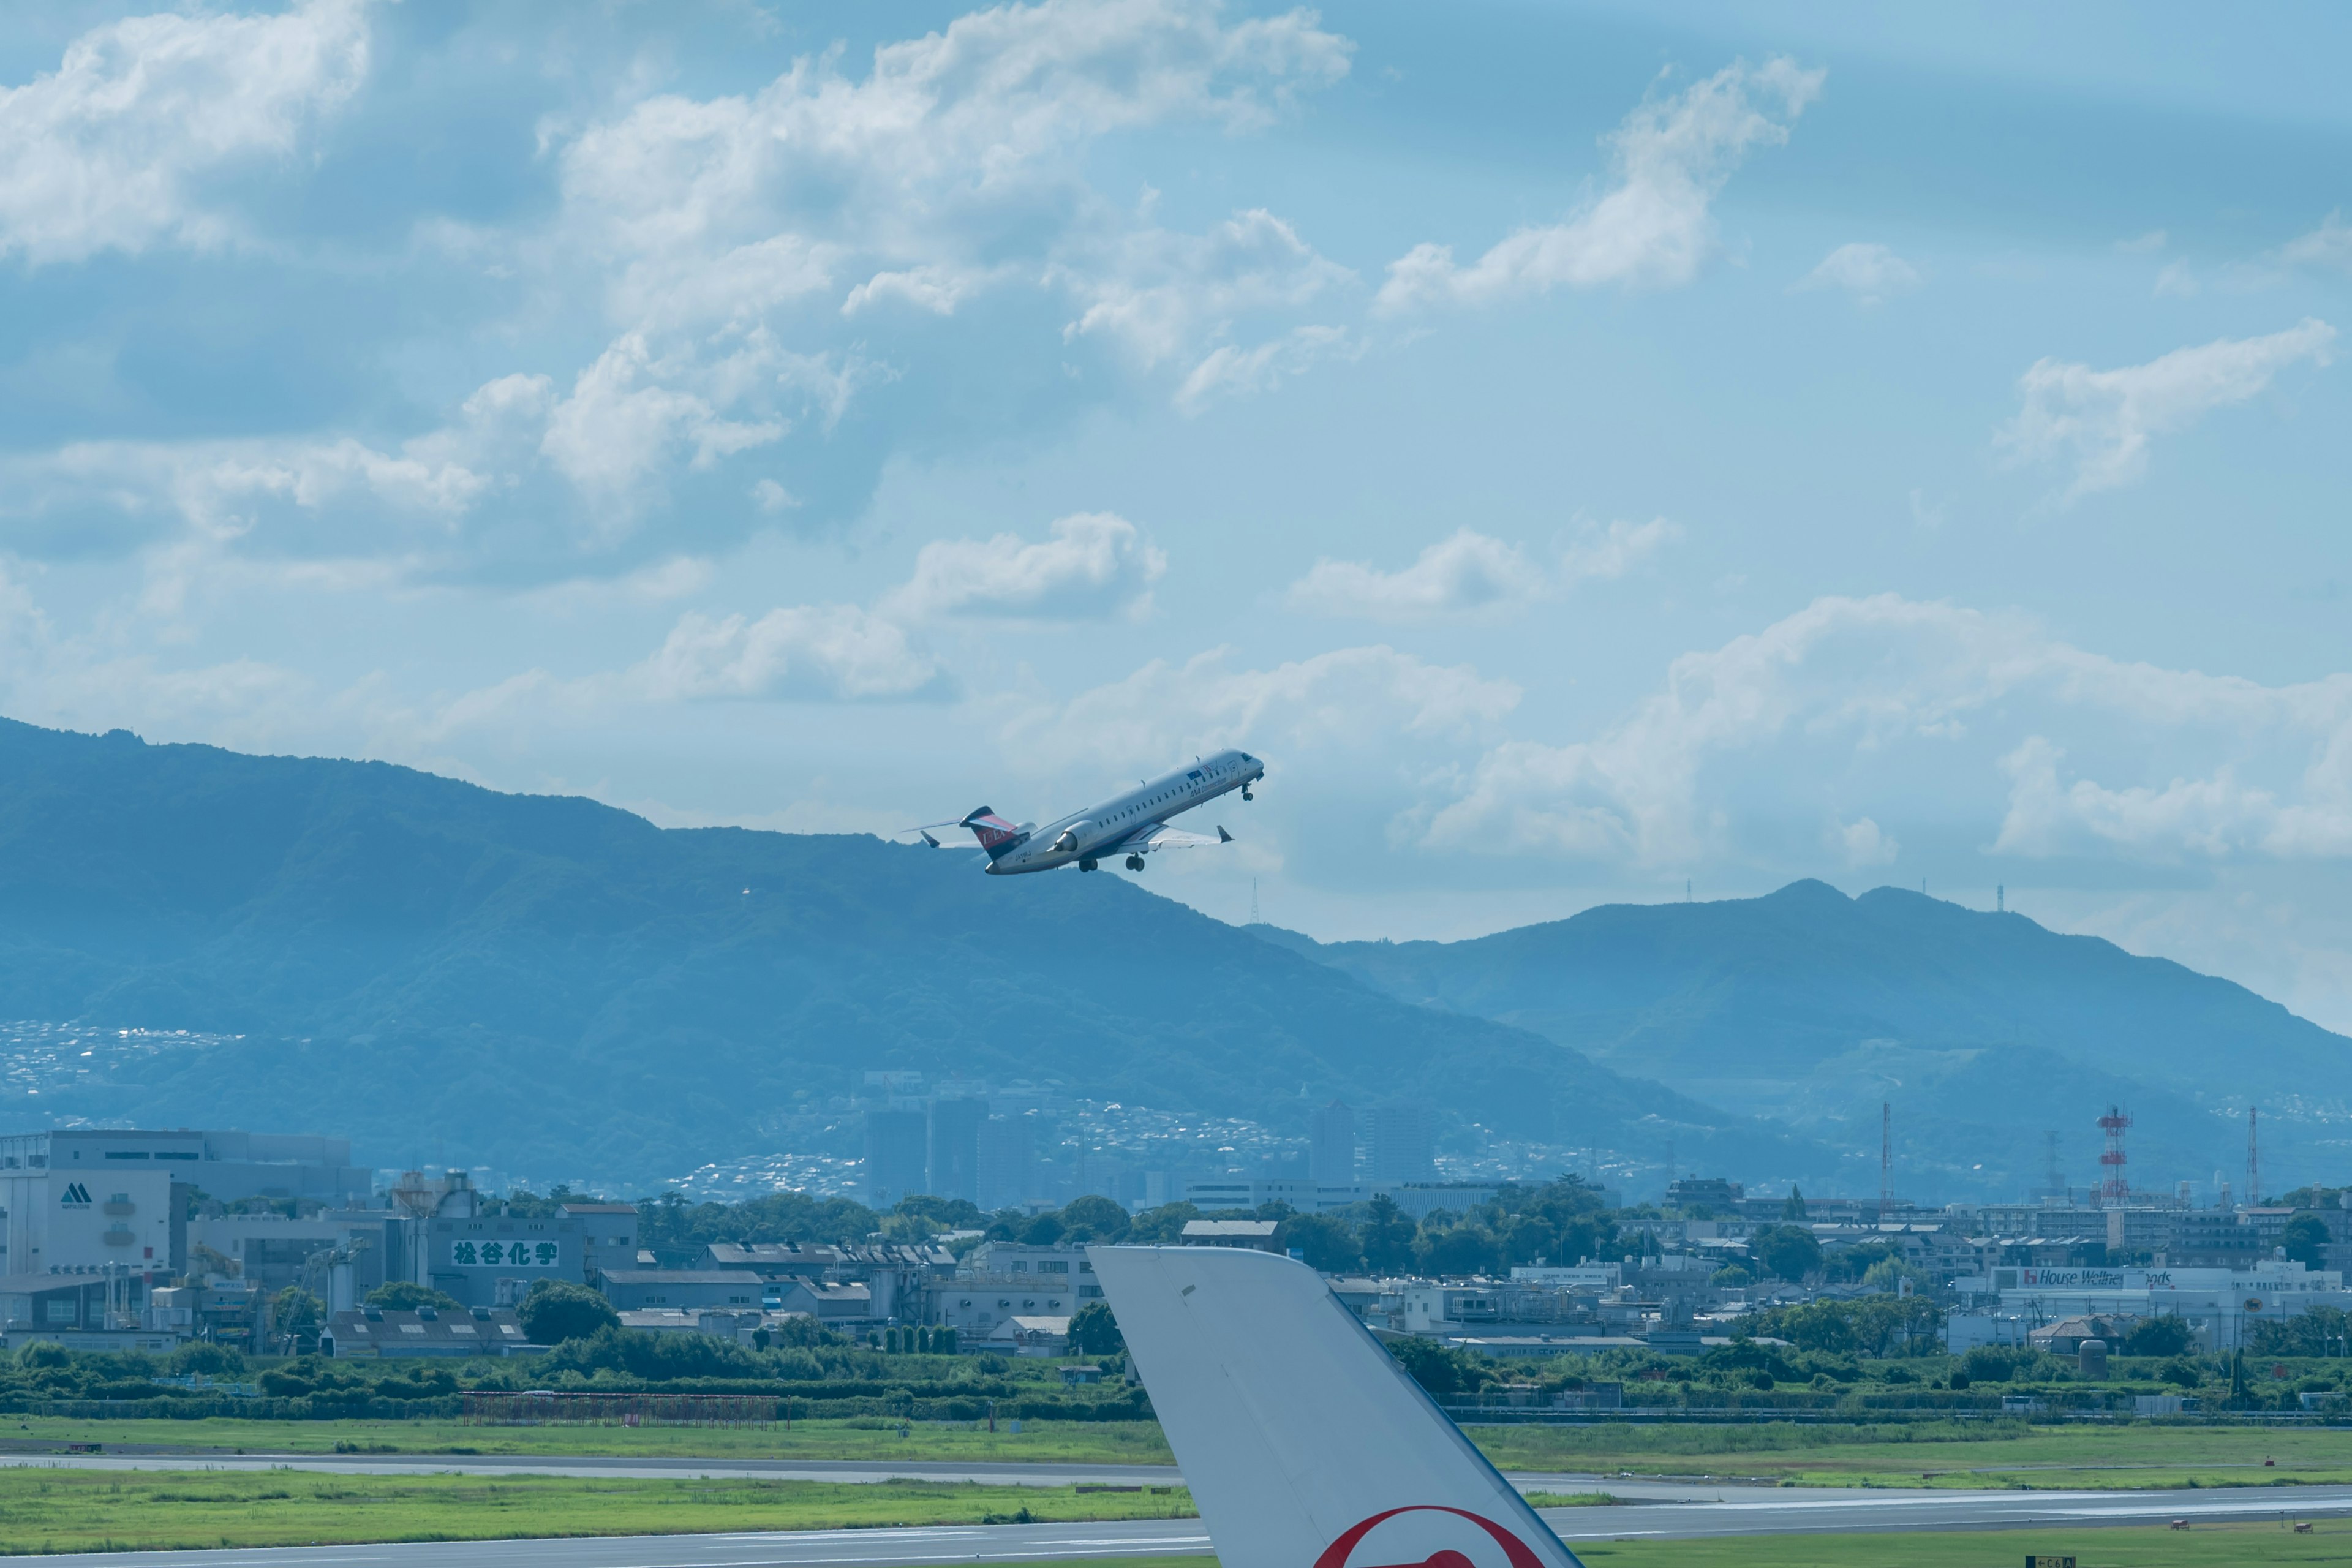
93,1216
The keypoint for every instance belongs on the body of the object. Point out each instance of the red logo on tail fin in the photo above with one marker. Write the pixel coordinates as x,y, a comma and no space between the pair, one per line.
1520,1554
996,834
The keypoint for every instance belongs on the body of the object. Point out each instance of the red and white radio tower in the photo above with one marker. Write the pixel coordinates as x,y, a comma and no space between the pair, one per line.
2115,1188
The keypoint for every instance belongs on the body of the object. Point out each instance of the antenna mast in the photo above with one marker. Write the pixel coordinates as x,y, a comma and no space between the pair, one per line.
2114,1189
2253,1160
1254,901
1885,1159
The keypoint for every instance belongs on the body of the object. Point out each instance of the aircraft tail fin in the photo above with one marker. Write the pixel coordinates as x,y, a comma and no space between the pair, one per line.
996,834
1305,1445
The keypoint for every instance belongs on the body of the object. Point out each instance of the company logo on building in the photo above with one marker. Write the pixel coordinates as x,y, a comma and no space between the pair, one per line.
76,1196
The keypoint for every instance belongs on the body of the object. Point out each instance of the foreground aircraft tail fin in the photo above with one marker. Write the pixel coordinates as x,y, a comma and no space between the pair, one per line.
996,834
1304,1442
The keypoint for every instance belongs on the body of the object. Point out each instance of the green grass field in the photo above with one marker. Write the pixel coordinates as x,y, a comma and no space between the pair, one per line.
1976,1454
81,1511
2207,1546
1065,1442
1944,1454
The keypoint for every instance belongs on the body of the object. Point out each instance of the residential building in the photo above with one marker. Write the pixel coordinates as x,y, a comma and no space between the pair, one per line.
1331,1146
1584,1275
1214,1195
1028,1335
833,1302
340,1254
1710,1193
227,1165
367,1331
632,1289
2136,1233
898,1152
1001,1279
1007,1163
1255,1234
1404,1145
953,1147
1421,1199
608,1236
773,1261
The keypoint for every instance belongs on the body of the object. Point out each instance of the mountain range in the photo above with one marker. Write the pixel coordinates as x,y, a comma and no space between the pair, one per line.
1980,1034
548,984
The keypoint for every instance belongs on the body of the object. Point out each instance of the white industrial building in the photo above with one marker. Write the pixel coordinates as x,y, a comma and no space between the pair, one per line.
92,1215
2219,1305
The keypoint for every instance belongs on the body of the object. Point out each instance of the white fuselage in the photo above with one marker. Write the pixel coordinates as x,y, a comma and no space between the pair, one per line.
1108,828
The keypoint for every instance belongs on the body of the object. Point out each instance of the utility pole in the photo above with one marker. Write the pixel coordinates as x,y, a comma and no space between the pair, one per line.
2254,1159
1885,1159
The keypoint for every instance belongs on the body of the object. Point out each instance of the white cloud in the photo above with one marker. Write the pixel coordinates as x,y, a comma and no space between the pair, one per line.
1863,843
2218,817
1096,564
1233,371
620,423
1467,574
1870,272
955,145
113,150
1653,227
1615,550
2106,418
1470,575
1956,707
2329,245
1158,291
829,651
1358,702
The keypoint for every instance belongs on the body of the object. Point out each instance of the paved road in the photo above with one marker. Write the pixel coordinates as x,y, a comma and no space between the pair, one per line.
1750,1511
1006,1473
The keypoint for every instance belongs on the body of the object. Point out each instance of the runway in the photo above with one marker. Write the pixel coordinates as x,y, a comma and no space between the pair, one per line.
1708,1511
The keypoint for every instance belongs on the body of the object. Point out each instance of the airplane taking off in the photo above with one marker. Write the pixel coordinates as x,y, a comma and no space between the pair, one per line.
1134,823
1304,1442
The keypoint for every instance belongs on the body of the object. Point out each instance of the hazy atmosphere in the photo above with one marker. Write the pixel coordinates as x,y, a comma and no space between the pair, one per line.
1588,450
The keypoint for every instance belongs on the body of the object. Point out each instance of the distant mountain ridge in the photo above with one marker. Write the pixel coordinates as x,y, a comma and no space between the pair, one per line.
1982,1030
551,985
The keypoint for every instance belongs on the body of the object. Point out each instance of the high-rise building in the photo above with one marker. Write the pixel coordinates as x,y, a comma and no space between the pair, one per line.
894,1151
955,1148
1005,1161
1331,1145
1404,1147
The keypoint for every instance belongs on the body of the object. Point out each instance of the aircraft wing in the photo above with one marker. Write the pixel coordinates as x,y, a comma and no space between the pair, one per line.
1154,836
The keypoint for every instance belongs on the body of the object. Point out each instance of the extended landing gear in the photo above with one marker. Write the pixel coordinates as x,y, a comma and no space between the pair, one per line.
1135,862
1086,864
1246,793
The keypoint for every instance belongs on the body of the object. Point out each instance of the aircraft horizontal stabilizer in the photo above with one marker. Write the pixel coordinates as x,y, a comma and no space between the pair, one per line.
1177,838
1304,1442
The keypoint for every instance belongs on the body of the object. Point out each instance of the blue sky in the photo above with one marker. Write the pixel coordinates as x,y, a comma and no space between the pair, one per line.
1587,450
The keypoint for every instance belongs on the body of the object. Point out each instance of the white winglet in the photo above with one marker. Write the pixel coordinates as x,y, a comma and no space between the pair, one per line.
1305,1444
